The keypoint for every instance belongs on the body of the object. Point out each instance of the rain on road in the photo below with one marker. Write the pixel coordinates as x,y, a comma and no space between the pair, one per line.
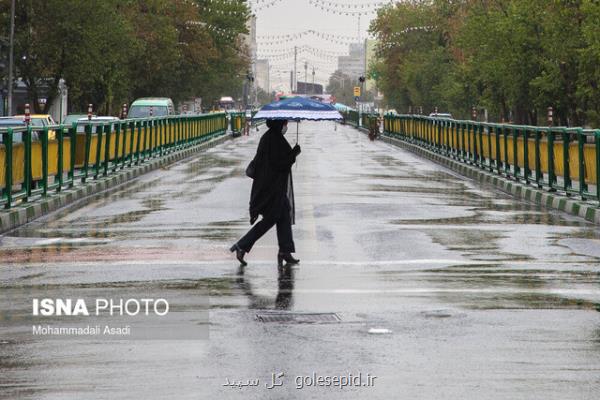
484,296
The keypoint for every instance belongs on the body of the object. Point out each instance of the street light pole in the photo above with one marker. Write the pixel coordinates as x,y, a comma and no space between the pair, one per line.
11,57
295,69
305,77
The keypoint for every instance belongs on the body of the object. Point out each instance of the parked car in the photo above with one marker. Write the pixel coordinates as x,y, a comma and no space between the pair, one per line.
441,115
95,121
69,119
11,122
158,106
226,103
39,121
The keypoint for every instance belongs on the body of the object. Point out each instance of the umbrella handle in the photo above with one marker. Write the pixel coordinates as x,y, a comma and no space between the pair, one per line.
297,129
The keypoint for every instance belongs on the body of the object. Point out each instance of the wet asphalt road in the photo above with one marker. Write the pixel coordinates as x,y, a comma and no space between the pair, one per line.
484,297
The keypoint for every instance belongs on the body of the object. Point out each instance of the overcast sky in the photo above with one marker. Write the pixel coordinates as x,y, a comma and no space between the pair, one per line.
293,16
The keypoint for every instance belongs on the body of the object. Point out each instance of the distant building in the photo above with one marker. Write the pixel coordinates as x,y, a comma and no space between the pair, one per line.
353,64
262,75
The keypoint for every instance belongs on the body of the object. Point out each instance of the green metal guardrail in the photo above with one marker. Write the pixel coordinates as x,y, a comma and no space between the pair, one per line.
370,121
351,117
238,121
36,162
362,120
534,155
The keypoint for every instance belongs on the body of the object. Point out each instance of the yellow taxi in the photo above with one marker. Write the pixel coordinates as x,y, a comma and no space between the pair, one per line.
39,121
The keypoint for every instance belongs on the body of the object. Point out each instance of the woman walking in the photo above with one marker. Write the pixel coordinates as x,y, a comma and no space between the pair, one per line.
272,193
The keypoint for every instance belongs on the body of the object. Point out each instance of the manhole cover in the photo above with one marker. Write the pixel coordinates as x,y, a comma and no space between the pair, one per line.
298,318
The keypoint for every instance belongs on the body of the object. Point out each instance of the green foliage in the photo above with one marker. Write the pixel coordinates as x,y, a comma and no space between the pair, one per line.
415,60
342,87
264,97
514,58
112,51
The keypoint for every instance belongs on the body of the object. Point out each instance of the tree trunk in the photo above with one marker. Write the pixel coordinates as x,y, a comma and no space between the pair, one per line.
533,117
520,115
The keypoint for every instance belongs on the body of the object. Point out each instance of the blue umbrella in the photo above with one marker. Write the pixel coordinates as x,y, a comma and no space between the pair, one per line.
298,108
342,107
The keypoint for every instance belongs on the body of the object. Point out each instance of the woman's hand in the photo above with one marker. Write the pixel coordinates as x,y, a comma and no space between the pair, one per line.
296,149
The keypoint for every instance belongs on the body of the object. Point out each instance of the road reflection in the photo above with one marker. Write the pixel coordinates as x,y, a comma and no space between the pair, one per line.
285,290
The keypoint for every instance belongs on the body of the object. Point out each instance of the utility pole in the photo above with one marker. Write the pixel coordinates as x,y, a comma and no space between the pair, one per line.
255,91
295,69
365,59
364,85
305,77
248,83
11,57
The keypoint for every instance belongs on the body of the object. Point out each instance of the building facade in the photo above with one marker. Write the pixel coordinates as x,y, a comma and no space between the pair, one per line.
262,75
353,64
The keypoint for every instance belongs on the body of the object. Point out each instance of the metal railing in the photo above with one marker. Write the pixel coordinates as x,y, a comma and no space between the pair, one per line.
554,158
238,121
38,161
369,120
351,117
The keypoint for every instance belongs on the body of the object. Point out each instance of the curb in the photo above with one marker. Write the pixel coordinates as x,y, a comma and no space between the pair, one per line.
520,190
22,214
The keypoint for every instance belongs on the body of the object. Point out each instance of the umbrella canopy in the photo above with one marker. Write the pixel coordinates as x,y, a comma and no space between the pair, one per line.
342,107
298,108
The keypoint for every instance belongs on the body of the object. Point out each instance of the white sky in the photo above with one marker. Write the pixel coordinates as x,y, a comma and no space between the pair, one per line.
293,16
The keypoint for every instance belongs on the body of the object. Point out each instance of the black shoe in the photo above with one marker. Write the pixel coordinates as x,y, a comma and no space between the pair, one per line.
287,257
239,254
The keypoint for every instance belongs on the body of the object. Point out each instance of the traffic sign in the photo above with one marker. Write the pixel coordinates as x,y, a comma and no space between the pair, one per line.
356,91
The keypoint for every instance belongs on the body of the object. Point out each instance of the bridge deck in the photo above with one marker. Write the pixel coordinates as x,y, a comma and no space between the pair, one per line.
485,296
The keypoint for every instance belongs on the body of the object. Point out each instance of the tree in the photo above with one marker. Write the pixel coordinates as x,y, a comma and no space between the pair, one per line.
55,39
229,62
112,51
264,97
588,87
341,86
513,57
414,55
